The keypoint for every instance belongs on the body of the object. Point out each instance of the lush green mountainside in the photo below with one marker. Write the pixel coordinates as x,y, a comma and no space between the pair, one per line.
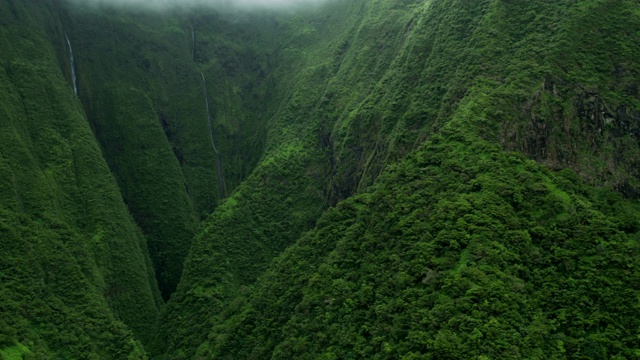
141,81
373,92
461,251
122,99
370,179
74,266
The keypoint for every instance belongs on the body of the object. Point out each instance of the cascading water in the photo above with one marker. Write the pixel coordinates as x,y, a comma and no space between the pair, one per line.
72,64
193,44
213,142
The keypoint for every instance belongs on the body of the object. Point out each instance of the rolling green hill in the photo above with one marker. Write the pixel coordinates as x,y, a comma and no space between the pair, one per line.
376,179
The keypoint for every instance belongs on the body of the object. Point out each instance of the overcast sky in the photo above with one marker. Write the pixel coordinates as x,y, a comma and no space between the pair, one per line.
182,4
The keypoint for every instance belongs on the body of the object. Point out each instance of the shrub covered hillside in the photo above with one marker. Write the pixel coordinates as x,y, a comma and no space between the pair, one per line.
462,250
76,281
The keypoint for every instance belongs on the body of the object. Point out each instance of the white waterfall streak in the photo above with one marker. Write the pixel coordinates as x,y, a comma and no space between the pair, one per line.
213,142
72,64
206,99
193,44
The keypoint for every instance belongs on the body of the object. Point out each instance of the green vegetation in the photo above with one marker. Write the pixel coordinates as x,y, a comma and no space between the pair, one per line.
410,179
75,272
460,251
439,81
146,106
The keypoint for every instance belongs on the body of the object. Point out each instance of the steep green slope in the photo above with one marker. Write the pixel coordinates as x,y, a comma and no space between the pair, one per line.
377,179
373,90
120,94
74,266
460,251
285,192
141,82
55,298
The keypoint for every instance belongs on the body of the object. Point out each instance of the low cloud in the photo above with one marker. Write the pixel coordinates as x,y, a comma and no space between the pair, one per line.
194,4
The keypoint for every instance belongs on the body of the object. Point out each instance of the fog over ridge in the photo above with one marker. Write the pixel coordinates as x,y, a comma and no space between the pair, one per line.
184,4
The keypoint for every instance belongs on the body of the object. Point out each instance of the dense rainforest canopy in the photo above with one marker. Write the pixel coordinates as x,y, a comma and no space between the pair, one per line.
363,179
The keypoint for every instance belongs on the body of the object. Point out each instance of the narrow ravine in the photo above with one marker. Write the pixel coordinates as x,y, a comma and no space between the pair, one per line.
221,186
72,64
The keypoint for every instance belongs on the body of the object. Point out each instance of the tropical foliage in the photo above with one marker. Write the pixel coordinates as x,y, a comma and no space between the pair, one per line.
403,180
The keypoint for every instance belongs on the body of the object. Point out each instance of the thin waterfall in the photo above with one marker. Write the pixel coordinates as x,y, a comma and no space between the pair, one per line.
72,64
206,100
193,44
213,142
